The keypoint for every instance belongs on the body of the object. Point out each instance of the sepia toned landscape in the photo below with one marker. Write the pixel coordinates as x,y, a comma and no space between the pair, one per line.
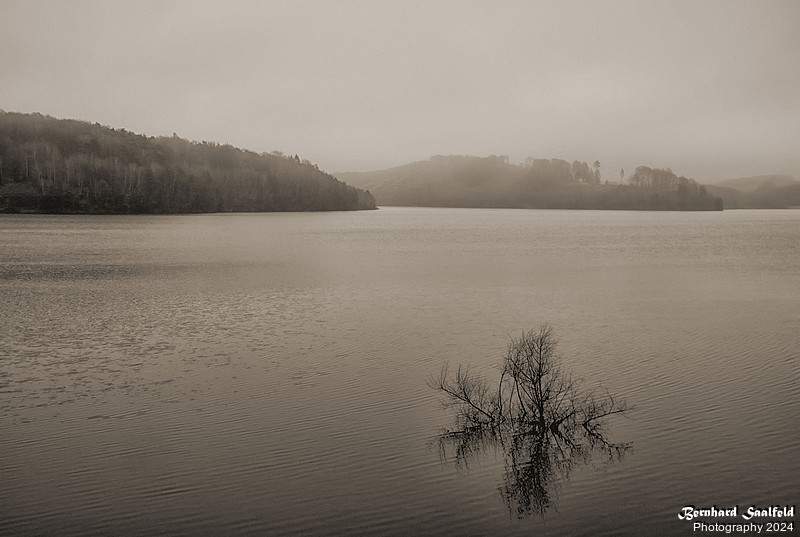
391,268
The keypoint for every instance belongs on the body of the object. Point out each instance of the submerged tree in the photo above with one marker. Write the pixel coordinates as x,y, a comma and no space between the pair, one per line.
540,416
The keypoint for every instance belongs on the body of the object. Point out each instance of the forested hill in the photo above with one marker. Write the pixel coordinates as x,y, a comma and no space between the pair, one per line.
68,166
465,181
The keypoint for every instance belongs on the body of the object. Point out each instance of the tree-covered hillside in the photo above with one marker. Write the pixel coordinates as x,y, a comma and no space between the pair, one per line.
67,166
464,181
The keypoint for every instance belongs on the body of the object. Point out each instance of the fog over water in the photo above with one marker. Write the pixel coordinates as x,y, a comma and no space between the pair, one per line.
707,88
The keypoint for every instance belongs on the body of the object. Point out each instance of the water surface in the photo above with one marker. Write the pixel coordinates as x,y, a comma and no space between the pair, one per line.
265,374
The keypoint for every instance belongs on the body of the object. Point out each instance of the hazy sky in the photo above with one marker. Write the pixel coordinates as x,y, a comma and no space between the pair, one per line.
710,89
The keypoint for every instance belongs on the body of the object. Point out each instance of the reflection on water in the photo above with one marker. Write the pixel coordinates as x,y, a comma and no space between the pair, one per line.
534,464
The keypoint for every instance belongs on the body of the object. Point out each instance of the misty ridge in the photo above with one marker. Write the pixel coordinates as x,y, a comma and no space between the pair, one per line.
53,165
465,181
759,192
67,166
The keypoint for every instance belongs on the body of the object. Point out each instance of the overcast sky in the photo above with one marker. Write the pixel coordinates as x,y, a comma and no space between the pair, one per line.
709,89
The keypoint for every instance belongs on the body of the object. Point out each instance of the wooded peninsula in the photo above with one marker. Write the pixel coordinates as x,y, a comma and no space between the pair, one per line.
50,165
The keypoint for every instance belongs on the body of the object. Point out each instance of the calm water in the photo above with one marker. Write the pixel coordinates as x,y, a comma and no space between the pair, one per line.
265,374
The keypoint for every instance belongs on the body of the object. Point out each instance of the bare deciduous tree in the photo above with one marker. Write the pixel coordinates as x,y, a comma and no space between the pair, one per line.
538,413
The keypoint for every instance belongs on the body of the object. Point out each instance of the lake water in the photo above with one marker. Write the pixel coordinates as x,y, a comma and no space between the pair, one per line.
265,374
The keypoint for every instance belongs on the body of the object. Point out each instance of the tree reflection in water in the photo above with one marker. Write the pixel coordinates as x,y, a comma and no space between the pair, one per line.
538,416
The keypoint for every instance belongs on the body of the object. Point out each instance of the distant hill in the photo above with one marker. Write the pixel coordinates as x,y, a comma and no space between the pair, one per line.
750,184
66,166
782,197
441,181
759,192
467,181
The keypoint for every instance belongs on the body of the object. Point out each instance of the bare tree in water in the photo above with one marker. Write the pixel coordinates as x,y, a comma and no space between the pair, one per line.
540,416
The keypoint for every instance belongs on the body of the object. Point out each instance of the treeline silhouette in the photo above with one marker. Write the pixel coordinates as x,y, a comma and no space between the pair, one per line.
466,181
68,166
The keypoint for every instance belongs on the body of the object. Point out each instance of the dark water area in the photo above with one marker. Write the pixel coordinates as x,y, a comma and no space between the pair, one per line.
265,374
